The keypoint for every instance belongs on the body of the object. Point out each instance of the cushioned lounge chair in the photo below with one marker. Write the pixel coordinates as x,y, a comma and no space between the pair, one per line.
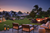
16,26
27,28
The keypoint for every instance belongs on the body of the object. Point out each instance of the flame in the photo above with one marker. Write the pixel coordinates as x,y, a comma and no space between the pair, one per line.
38,20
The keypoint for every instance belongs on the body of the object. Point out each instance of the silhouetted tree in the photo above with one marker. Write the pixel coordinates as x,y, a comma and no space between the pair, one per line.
27,12
48,11
3,12
15,13
12,11
49,8
36,7
19,12
7,16
40,9
43,13
32,14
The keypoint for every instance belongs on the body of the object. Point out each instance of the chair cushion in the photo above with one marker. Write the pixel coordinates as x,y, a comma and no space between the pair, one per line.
31,28
15,27
47,23
27,29
44,27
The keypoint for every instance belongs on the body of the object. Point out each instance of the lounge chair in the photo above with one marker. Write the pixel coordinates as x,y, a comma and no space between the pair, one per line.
27,28
16,26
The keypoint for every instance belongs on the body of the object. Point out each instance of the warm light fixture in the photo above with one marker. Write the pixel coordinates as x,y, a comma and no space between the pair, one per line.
0,20
4,27
8,27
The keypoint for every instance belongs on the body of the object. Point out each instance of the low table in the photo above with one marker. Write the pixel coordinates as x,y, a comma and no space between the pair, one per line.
47,30
41,30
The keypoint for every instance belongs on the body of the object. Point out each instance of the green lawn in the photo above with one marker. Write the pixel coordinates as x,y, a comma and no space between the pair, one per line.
9,22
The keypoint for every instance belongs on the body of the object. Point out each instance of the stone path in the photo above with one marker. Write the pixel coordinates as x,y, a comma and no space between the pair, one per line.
16,31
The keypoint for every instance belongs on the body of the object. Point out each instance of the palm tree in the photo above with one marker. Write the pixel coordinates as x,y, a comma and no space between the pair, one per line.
40,9
48,11
36,7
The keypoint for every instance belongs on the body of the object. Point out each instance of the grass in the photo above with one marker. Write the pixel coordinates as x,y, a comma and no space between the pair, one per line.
9,22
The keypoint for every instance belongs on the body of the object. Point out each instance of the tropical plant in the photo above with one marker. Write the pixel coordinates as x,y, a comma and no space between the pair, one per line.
36,7
32,14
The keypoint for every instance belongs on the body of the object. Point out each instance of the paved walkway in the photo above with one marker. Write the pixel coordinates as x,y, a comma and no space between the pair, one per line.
16,31
20,31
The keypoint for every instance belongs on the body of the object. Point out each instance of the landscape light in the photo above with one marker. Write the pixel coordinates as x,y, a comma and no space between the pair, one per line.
0,20
4,27
8,27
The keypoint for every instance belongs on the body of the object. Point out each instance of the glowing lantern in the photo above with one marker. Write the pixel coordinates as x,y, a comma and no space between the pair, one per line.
8,27
5,27
0,20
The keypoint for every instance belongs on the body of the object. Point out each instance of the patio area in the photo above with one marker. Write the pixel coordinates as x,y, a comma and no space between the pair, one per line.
20,31
42,28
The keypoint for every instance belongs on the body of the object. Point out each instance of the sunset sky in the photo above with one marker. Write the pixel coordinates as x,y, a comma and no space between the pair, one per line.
23,5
